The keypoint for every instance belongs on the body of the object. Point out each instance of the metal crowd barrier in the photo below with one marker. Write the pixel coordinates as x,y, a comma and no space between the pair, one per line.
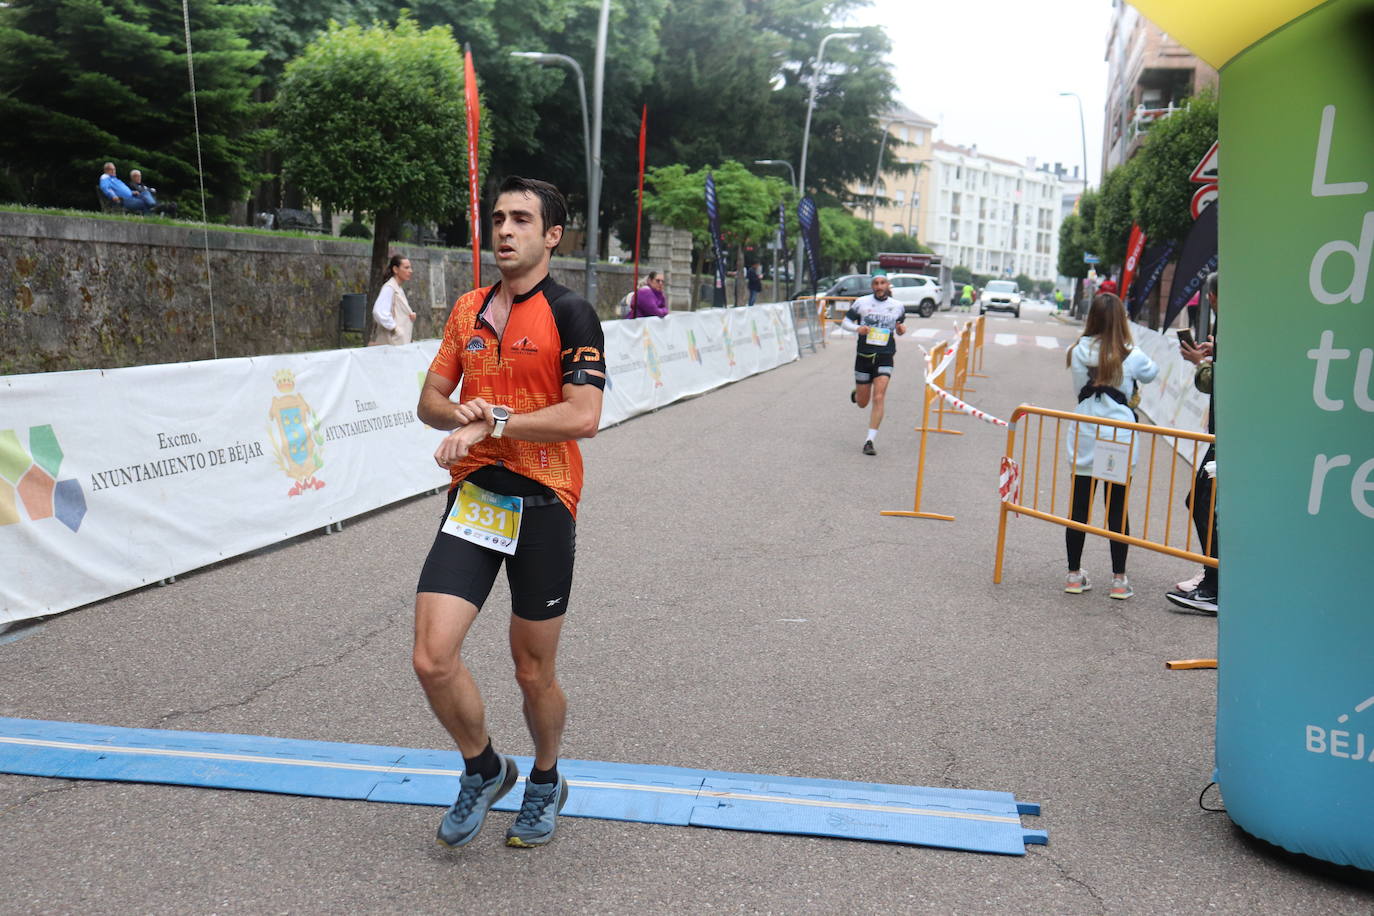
1165,511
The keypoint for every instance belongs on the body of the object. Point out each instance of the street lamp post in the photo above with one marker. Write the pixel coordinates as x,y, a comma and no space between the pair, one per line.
591,138
792,172
1083,134
810,106
878,170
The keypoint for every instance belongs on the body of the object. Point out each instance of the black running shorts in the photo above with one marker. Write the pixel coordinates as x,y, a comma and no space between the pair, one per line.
868,366
539,574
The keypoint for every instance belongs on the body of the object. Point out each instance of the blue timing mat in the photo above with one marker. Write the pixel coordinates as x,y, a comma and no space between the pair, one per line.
949,818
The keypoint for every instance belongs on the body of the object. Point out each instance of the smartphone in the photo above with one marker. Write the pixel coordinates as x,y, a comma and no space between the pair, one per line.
1185,338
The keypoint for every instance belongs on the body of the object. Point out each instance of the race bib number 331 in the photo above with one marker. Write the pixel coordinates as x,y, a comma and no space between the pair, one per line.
486,518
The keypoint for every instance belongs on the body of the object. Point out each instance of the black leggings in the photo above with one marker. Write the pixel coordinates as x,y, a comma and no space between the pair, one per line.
1116,521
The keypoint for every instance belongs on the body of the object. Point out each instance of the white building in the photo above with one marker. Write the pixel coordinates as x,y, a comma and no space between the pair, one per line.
991,215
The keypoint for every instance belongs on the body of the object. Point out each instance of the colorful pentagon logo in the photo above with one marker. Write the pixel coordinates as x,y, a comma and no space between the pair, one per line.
28,478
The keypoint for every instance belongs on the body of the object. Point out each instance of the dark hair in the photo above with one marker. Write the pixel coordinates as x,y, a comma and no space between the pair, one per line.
392,264
1213,285
650,278
553,209
1107,321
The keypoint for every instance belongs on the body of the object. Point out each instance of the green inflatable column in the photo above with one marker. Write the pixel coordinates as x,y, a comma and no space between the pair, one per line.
1295,424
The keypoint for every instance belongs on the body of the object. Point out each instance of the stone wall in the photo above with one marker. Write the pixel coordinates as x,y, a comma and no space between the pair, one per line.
86,293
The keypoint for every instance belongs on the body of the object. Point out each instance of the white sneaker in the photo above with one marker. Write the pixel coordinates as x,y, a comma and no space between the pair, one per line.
1188,585
1077,583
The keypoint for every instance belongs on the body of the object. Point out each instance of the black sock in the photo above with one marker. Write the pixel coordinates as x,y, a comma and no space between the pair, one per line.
544,777
487,763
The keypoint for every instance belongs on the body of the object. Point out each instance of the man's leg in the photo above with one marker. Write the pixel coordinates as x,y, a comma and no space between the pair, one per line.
863,391
879,401
534,649
441,624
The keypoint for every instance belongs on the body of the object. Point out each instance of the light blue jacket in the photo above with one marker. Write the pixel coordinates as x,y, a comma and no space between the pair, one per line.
1135,368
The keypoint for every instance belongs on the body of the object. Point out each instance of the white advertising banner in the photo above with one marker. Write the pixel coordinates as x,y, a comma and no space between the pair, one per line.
1171,400
653,362
115,479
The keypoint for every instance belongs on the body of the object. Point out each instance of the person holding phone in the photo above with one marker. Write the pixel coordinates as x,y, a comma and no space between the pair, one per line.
1201,592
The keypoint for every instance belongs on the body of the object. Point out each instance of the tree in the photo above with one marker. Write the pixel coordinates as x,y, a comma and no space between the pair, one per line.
1024,283
1161,189
961,275
846,240
90,80
748,205
1072,244
1111,230
374,119
900,244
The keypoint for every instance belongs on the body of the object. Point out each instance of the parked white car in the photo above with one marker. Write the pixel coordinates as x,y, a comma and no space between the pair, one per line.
917,293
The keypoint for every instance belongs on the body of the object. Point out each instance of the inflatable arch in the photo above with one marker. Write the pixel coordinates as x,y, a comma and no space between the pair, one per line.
1295,415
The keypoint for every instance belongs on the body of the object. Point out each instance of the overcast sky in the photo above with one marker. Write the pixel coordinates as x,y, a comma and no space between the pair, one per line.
990,72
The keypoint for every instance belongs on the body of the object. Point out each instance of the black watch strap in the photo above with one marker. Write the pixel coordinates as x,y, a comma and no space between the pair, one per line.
583,377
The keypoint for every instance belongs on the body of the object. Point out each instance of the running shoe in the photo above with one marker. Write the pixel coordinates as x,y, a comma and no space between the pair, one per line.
1121,588
466,816
1195,600
1077,583
1187,585
869,449
538,815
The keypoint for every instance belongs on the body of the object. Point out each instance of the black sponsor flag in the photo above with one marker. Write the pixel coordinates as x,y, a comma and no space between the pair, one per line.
811,238
1195,262
713,220
1152,264
782,233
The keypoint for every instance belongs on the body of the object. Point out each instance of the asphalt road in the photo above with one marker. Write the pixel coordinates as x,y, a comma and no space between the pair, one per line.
740,605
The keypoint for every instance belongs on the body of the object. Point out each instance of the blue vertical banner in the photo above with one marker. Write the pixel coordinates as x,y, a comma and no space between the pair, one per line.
713,220
811,237
1152,264
782,234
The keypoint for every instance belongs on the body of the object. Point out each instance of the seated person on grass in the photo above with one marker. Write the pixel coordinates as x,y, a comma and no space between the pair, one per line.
118,192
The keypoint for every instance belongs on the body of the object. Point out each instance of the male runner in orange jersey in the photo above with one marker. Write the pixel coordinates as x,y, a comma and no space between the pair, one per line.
528,355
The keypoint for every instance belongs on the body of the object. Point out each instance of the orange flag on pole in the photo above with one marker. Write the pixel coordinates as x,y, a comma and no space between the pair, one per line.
474,114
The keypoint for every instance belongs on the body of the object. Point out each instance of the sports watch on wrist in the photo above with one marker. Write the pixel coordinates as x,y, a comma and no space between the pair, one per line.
499,416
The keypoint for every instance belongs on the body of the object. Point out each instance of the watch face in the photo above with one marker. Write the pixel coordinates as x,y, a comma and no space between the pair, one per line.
500,413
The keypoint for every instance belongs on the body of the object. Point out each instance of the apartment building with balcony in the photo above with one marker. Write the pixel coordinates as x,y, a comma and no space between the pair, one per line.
1149,77
993,215
896,208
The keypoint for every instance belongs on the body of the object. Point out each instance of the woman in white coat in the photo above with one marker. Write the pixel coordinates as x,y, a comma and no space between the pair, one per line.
1106,368
395,321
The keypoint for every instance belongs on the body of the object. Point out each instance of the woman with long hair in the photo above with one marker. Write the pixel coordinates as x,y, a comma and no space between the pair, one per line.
1106,367
395,321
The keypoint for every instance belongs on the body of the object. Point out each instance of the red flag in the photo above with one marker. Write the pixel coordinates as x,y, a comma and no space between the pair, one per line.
1134,247
474,114
639,208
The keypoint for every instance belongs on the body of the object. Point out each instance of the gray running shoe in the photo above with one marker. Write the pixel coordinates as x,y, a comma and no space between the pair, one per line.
466,816
869,449
538,815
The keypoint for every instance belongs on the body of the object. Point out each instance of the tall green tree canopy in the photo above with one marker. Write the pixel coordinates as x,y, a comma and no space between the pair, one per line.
1173,148
86,81
374,119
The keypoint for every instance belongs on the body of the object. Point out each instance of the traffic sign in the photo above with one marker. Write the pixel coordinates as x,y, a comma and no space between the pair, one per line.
1090,258
1202,197
1206,171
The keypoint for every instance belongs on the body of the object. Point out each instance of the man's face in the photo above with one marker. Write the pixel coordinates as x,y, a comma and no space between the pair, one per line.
519,236
109,170
882,288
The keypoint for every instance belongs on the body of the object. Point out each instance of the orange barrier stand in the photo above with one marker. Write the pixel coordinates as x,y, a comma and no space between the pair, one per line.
1144,442
979,325
945,380
928,395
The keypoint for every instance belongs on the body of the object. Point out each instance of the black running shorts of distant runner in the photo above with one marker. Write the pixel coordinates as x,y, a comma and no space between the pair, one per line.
868,366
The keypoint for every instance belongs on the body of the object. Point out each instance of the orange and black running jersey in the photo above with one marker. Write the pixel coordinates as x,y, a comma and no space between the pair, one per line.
551,332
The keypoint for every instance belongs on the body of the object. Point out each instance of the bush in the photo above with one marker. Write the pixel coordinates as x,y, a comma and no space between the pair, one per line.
352,230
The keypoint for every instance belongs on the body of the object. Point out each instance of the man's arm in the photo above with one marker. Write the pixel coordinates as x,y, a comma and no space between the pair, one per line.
576,417
435,409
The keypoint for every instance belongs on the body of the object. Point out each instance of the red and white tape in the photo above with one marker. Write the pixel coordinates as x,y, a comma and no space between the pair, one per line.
1009,481
966,408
